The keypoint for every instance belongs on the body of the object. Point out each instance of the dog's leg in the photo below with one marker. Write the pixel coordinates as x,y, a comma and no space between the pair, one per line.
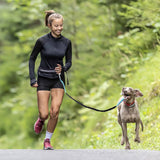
124,125
137,139
122,140
120,123
141,124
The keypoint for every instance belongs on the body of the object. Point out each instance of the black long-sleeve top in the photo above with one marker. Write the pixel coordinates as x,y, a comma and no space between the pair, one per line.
52,51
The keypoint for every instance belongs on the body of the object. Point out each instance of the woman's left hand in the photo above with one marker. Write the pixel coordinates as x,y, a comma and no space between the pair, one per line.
58,69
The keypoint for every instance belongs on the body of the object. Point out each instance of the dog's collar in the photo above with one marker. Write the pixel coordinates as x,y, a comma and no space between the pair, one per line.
130,105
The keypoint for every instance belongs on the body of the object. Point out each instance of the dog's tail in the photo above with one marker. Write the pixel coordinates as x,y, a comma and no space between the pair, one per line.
141,124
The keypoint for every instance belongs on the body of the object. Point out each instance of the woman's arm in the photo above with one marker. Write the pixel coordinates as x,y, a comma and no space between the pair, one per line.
37,48
68,57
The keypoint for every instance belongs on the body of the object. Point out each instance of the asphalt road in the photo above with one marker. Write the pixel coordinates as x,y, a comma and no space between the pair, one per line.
78,154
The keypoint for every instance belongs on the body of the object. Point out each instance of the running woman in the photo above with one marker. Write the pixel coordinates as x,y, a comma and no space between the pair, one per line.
53,48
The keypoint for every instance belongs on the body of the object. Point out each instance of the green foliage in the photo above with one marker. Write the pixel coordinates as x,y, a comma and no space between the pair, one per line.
115,43
142,14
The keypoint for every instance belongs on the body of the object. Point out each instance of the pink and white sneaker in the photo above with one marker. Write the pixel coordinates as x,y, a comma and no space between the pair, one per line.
38,126
47,145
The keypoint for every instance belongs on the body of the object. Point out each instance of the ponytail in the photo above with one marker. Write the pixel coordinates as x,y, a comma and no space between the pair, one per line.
48,13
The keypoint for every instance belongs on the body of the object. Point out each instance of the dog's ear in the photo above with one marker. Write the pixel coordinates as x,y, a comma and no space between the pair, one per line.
138,93
122,92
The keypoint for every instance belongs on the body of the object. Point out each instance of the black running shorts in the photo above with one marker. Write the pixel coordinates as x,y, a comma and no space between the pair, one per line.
48,84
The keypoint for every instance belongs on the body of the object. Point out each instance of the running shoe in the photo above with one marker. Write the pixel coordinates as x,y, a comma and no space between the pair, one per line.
47,145
38,126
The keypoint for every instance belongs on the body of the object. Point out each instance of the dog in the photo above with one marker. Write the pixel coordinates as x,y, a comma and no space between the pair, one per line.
128,112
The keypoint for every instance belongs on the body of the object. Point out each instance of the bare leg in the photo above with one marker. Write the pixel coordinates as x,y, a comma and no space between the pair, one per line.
57,97
43,98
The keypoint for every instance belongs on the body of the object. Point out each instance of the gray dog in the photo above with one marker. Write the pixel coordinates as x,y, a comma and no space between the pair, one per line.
128,112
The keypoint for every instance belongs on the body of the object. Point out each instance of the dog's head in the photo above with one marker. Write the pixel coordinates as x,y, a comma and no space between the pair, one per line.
130,93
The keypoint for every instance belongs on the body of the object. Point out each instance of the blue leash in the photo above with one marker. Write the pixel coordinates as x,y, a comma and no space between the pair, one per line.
62,83
85,105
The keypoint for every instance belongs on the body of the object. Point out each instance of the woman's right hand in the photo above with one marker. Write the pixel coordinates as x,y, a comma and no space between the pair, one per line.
35,85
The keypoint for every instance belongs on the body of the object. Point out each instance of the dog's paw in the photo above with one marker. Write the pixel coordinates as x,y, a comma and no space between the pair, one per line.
127,147
137,140
122,142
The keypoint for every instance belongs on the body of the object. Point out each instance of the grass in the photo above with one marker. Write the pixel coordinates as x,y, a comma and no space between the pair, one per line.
93,130
101,130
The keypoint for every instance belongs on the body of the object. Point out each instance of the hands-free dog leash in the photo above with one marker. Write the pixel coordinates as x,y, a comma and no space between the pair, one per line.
85,105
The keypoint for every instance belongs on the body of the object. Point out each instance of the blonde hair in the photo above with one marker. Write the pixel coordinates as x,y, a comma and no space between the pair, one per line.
50,16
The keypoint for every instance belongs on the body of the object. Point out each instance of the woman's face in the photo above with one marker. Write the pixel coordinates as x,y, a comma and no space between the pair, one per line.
56,27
